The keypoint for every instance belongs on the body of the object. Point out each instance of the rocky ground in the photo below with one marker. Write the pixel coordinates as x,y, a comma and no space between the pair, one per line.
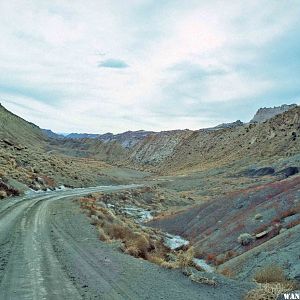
231,225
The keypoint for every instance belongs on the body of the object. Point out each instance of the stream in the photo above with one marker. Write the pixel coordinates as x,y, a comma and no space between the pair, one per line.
173,242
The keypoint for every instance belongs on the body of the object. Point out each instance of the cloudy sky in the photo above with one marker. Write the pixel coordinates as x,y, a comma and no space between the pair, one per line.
98,66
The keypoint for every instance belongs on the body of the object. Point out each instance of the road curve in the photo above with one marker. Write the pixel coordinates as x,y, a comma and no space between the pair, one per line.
48,250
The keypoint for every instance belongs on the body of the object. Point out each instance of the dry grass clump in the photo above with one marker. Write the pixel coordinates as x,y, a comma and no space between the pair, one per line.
269,291
270,274
272,283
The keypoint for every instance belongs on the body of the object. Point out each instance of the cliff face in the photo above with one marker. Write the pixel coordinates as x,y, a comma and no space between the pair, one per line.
265,113
156,148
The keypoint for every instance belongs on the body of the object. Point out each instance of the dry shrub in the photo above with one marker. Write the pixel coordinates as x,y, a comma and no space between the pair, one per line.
154,258
118,232
269,291
227,272
102,235
185,258
169,265
133,251
211,257
270,274
138,245
245,239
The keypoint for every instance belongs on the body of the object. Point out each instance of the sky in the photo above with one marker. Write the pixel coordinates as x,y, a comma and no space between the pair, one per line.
112,66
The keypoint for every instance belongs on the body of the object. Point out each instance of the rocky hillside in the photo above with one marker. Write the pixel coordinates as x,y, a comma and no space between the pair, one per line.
50,134
197,150
264,114
231,225
184,150
157,148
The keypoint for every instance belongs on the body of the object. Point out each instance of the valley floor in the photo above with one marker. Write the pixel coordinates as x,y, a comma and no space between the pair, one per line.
49,250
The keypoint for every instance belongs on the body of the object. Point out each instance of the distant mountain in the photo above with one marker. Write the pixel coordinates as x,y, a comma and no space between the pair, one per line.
81,136
50,134
266,113
127,139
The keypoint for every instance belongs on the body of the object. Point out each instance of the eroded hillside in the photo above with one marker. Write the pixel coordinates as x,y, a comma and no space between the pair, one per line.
185,151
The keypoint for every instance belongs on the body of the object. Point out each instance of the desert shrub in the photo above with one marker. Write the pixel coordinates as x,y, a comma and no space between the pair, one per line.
133,251
211,257
137,245
270,274
185,258
245,239
155,259
135,241
269,291
227,272
102,235
160,260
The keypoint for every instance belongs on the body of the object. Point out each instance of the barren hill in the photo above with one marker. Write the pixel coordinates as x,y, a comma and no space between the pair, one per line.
17,130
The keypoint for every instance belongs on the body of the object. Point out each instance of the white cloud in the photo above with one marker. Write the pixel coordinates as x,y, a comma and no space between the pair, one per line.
50,52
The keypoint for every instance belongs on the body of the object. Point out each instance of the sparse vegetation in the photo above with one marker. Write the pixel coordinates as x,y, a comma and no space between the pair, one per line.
245,239
271,283
269,291
136,241
270,274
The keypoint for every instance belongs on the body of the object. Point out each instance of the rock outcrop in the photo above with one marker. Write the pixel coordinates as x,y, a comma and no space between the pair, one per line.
264,114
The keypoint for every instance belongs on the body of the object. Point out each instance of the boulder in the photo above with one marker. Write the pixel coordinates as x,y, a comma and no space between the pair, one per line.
262,234
287,172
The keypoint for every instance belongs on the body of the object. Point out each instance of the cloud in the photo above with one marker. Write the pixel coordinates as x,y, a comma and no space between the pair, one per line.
185,64
113,64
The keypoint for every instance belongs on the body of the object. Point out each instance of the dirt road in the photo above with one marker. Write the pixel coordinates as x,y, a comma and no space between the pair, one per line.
48,250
